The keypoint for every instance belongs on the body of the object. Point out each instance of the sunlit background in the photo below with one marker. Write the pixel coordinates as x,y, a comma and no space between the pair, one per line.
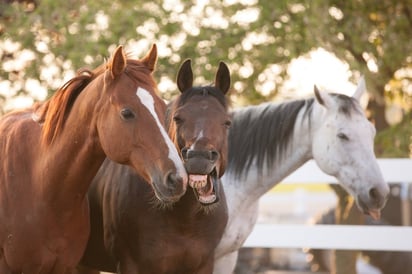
276,51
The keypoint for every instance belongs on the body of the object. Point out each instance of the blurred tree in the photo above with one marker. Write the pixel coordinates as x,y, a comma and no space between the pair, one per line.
257,38
375,38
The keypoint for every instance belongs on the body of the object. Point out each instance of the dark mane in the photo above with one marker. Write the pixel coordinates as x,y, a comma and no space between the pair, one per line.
188,94
347,105
262,133
204,90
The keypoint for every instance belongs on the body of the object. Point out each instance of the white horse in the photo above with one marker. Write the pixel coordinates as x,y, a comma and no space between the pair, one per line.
269,141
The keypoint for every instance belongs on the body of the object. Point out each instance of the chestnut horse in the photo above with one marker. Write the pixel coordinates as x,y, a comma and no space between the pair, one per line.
132,232
50,154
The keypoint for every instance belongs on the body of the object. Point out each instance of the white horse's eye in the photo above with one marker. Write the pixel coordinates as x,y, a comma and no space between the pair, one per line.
343,136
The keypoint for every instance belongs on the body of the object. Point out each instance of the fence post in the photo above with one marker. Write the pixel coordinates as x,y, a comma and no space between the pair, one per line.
344,261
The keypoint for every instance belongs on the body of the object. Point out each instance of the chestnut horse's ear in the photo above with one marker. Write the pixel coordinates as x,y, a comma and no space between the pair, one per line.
185,76
222,79
118,62
150,59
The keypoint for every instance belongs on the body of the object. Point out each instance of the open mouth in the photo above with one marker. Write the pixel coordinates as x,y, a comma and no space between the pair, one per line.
204,187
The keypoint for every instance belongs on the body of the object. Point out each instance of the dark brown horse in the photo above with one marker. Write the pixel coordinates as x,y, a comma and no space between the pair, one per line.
139,234
49,155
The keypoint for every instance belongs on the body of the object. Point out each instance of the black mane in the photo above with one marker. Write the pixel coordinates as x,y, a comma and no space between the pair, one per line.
203,90
195,91
248,141
347,105
262,133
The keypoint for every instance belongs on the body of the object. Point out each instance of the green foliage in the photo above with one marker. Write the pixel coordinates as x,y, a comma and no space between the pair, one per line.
373,37
395,141
71,30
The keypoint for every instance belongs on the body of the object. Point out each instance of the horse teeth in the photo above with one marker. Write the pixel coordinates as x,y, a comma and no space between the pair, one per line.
199,184
207,199
197,181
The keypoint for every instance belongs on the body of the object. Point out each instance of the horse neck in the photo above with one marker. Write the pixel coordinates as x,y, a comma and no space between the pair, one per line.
254,184
74,157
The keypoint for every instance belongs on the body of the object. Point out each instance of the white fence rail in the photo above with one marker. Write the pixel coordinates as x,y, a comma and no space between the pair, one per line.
349,237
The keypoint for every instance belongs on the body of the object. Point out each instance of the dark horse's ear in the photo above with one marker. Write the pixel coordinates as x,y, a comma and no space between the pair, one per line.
222,80
185,76
150,59
118,62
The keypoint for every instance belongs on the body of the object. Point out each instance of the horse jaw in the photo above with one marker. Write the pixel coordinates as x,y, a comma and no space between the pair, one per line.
204,187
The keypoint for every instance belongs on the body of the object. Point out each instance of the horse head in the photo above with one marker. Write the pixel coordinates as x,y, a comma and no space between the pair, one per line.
343,147
198,124
131,124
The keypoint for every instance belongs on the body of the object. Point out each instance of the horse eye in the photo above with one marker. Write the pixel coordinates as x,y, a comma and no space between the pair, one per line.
177,120
127,114
228,124
343,136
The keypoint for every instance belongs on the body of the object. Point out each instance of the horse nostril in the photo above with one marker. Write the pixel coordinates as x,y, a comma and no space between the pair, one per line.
174,181
375,196
213,155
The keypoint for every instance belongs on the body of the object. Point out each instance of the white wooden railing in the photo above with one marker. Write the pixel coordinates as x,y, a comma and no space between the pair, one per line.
349,237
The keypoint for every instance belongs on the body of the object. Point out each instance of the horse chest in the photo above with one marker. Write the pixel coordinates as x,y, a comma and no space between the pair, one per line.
175,254
240,224
46,247
177,243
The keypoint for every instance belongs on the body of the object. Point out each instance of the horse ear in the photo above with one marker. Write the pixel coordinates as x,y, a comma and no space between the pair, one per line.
222,79
118,62
185,76
360,89
323,98
150,59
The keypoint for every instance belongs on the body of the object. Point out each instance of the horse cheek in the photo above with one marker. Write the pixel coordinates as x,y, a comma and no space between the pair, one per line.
112,143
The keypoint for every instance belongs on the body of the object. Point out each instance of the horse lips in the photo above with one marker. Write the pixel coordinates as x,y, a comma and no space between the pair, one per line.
203,188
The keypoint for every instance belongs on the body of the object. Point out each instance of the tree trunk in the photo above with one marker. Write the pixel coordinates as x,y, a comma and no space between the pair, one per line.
376,112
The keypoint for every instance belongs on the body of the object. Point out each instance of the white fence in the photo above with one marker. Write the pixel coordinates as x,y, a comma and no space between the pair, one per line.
350,237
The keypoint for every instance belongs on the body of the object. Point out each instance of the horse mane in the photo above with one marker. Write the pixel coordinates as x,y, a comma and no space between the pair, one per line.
248,141
54,112
185,96
134,71
347,105
262,133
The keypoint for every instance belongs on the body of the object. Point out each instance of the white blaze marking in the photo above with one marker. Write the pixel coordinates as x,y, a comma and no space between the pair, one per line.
148,102
199,137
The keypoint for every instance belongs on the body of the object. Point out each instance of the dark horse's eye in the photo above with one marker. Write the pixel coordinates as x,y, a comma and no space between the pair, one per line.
343,136
177,119
228,123
127,114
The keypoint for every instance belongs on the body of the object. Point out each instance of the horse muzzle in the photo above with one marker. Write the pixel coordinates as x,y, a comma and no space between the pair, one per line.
203,174
372,202
170,188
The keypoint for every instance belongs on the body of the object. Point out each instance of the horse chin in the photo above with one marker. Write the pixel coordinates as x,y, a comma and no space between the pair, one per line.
205,187
375,213
164,201
160,204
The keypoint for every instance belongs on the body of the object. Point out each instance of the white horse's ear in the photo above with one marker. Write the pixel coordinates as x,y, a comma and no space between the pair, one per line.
360,89
323,98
